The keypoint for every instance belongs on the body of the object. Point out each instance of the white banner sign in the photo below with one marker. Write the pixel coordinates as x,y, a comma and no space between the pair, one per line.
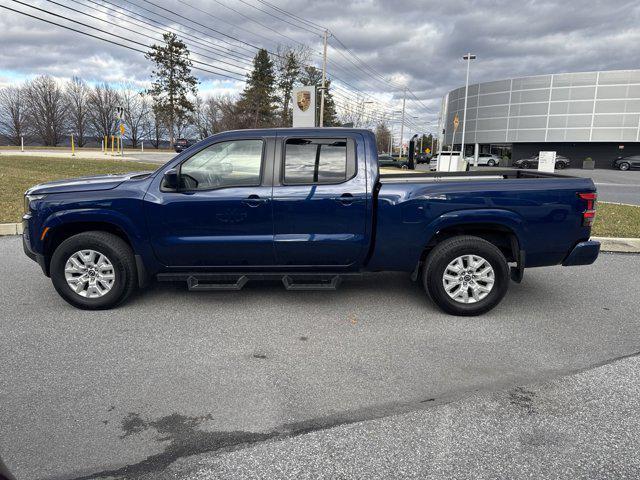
547,162
304,106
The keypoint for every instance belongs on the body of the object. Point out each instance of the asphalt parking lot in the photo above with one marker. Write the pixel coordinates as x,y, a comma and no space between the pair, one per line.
613,185
174,376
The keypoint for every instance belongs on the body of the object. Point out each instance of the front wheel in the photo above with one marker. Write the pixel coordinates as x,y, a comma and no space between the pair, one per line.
624,166
560,165
491,163
93,270
466,275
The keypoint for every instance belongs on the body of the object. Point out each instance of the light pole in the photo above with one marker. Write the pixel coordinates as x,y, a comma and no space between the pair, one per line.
393,115
324,76
404,101
468,57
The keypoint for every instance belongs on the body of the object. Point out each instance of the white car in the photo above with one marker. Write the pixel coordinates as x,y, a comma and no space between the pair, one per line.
485,159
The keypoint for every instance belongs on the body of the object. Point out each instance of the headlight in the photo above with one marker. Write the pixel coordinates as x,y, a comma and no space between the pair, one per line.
30,198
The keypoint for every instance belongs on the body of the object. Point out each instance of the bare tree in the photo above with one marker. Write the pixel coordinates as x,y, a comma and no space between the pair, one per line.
46,109
208,116
13,113
383,137
155,126
103,101
137,108
229,120
77,100
354,113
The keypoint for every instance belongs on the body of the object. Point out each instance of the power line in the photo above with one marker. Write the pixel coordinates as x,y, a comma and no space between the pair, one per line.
304,20
197,23
223,51
138,33
257,22
105,39
277,18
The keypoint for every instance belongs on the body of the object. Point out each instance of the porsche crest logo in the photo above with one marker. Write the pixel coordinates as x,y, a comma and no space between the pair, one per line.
303,100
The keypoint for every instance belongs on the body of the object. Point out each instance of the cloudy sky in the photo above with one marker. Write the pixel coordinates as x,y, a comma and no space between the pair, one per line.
417,43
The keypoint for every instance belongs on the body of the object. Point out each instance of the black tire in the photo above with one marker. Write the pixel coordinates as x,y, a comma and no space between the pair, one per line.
446,252
624,166
119,254
525,165
491,163
560,165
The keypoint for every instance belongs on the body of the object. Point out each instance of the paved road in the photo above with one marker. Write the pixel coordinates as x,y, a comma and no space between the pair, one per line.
151,155
172,373
613,185
579,426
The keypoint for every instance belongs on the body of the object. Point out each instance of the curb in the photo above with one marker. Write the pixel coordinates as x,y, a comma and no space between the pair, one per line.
613,244
10,229
607,244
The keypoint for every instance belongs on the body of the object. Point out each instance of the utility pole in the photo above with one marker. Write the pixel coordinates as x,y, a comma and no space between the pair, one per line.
324,77
404,102
468,57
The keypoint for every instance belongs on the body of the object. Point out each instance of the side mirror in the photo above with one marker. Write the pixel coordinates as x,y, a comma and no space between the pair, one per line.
170,180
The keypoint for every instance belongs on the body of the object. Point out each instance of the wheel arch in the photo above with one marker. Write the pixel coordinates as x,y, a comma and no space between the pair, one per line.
65,224
503,229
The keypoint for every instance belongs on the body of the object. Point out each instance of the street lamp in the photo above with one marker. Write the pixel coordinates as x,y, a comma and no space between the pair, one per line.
468,57
393,114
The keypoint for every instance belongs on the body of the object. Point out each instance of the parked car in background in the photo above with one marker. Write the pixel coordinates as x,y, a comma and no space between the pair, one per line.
388,161
626,163
532,162
181,144
485,160
422,158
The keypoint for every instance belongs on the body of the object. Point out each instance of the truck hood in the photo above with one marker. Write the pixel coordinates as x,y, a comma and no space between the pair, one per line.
84,184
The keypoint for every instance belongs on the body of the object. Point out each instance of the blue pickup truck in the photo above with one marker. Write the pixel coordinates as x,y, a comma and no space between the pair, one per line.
309,207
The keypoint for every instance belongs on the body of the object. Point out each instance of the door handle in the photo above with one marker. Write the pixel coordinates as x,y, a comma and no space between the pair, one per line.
345,199
253,200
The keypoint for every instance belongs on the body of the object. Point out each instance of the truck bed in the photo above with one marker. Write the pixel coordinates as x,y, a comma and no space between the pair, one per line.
490,174
544,215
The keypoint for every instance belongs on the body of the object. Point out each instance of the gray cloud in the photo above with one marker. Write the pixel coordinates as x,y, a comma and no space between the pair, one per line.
416,41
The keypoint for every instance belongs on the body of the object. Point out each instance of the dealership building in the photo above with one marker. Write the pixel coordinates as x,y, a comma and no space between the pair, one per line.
578,115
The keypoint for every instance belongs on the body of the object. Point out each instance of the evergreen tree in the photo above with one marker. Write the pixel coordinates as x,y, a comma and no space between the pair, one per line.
172,81
313,76
257,101
289,69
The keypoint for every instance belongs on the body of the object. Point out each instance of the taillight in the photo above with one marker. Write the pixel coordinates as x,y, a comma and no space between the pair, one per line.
590,213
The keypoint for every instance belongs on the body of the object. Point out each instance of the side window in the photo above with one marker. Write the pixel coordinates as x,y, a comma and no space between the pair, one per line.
318,161
236,163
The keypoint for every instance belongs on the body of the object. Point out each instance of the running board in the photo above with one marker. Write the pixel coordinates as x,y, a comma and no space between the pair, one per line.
333,284
235,281
193,283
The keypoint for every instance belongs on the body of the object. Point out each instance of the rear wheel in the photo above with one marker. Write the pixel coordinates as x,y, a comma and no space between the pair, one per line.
624,166
93,270
466,275
525,165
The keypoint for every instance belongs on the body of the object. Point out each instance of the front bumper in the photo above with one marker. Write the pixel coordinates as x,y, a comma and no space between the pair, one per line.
36,257
584,253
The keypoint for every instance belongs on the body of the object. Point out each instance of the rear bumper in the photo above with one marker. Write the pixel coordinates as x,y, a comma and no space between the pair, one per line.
584,253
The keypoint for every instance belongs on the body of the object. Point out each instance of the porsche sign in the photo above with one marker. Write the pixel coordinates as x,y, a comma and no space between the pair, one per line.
304,106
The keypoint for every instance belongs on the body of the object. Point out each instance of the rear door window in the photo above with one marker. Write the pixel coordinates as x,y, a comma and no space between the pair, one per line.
318,161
